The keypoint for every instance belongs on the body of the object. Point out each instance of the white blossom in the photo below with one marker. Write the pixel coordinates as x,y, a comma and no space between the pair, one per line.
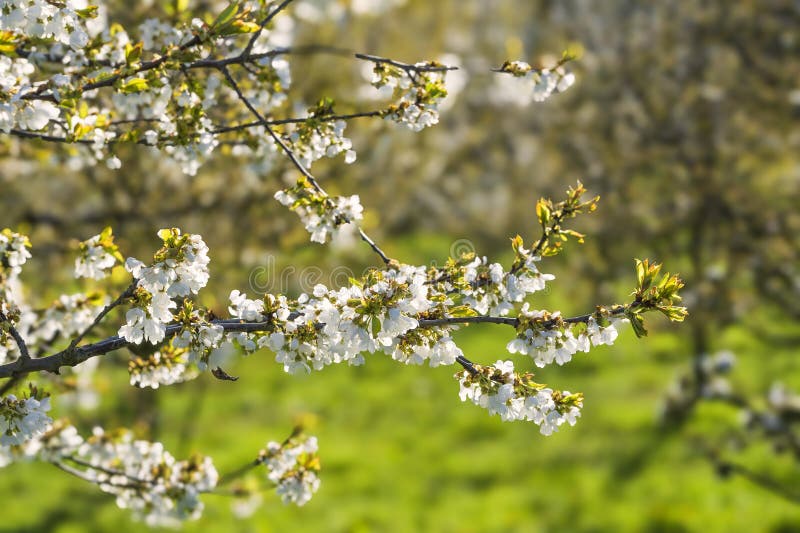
290,468
93,260
23,419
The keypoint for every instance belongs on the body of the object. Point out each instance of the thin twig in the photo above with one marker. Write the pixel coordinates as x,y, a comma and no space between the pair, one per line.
271,15
104,470
127,293
239,472
80,474
424,67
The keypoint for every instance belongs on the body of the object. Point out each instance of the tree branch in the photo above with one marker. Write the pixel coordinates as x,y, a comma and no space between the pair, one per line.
121,298
75,356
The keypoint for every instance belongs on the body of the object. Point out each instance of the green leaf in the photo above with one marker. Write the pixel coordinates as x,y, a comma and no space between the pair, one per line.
461,311
89,12
135,85
637,322
543,212
227,15
133,53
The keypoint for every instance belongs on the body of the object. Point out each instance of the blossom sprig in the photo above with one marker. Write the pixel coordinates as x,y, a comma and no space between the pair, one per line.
406,312
70,315
321,214
14,252
198,334
545,81
166,366
293,467
516,396
143,476
318,137
108,72
418,89
97,255
25,418
179,268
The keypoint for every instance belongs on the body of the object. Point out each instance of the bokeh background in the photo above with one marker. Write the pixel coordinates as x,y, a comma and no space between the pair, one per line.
684,119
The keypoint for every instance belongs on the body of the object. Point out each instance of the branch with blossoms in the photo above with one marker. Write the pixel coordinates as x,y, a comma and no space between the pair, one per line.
156,85
404,311
225,78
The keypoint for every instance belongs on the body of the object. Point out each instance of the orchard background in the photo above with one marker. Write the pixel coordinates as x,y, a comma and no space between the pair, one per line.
683,118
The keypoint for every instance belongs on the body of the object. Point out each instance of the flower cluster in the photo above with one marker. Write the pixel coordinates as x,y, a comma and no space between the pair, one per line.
489,289
377,313
70,315
418,89
142,475
321,214
547,338
292,466
33,116
163,367
62,22
145,477
319,137
13,253
51,444
97,255
197,335
513,396
24,20
179,268
25,418
546,82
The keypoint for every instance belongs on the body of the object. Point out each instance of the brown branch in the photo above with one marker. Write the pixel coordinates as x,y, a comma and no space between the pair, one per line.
24,355
121,298
406,66
75,356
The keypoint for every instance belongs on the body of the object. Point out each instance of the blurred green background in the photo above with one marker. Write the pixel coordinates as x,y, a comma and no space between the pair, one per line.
684,119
